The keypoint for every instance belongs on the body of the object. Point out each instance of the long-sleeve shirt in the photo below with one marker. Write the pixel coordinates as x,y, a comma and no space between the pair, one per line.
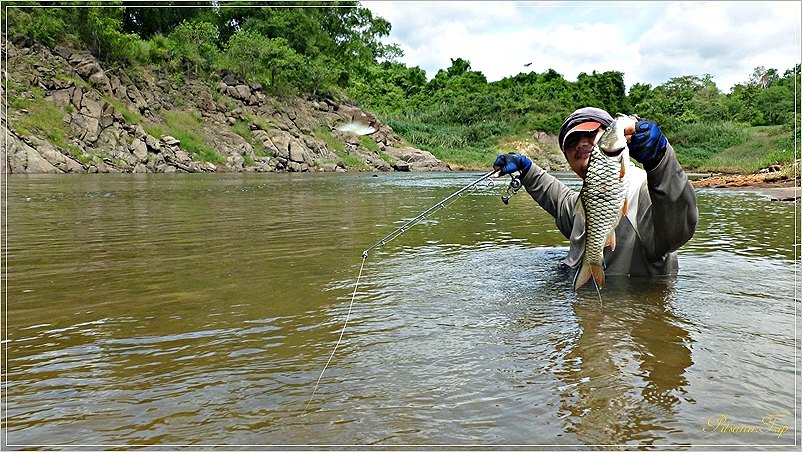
662,217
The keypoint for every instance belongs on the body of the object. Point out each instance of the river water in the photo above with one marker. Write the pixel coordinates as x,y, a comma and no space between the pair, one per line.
200,310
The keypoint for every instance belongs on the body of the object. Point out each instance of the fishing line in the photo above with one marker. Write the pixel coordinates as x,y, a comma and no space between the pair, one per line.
342,333
515,185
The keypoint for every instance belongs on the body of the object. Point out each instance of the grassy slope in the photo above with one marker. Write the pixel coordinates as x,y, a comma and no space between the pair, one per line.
765,146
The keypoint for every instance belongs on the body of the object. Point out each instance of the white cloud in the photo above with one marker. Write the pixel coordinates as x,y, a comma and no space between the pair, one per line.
727,41
648,42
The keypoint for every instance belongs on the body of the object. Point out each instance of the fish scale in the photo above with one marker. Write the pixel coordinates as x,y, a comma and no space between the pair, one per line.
603,197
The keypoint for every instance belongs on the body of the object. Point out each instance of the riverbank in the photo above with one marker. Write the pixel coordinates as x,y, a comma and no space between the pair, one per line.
777,185
69,114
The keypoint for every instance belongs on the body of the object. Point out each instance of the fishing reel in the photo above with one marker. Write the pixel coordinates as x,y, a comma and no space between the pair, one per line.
512,189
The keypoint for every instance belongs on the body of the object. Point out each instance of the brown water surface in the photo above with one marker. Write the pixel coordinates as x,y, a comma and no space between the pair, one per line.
200,309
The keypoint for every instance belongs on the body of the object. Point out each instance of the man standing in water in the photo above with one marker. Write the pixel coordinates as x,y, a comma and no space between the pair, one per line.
662,211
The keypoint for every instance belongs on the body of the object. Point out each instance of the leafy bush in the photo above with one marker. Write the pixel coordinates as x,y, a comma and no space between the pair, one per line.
197,42
712,137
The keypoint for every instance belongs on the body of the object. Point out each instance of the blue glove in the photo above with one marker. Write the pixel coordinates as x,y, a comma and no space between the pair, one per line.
512,162
648,144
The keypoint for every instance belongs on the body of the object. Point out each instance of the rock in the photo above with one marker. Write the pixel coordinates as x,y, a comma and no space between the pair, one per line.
415,159
243,92
95,126
91,107
84,64
139,149
182,156
140,168
229,78
139,132
90,126
100,80
77,97
298,153
170,141
282,144
235,161
206,102
381,165
22,41
152,143
136,98
61,98
107,115
25,159
257,98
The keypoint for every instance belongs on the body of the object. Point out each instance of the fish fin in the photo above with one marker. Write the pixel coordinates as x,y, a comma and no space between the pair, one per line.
598,274
623,171
582,276
611,240
585,272
625,207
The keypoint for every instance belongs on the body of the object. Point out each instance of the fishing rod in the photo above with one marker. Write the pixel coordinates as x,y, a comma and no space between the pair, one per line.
515,185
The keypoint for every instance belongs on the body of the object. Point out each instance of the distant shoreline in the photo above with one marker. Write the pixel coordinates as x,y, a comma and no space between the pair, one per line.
776,187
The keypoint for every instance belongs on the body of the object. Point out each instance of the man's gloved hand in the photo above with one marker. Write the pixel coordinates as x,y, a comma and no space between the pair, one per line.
512,162
648,144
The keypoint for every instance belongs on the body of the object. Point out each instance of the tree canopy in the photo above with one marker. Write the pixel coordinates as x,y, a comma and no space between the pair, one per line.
337,49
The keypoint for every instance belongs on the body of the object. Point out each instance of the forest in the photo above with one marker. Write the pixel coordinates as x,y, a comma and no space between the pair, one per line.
337,50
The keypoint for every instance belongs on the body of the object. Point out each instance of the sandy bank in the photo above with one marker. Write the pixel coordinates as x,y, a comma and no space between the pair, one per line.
775,186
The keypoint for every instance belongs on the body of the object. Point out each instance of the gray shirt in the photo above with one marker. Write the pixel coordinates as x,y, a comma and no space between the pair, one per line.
662,216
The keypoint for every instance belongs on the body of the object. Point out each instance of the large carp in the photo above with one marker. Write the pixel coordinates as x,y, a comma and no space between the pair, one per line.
603,198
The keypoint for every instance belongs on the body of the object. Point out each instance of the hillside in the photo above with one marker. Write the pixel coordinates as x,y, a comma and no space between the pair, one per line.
69,114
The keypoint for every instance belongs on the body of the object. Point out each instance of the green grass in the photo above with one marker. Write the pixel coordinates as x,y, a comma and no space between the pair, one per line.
368,143
333,143
186,127
130,117
243,129
45,120
461,145
766,146
338,147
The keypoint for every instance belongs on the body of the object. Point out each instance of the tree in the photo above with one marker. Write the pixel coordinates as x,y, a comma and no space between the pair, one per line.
147,21
245,53
762,77
776,103
196,41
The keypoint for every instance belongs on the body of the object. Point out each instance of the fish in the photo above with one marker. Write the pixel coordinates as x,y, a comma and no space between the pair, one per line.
357,128
603,198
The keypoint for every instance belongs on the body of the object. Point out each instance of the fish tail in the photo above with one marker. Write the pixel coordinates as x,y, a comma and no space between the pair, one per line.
586,272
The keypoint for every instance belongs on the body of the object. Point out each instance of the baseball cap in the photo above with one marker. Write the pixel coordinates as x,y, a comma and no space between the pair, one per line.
590,126
585,119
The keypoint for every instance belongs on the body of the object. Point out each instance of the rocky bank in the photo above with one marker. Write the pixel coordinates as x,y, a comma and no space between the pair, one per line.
111,119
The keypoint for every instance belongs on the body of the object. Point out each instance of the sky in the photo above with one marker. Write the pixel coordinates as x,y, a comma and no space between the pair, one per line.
650,42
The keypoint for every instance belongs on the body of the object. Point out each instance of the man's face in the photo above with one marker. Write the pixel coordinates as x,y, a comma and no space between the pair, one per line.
577,151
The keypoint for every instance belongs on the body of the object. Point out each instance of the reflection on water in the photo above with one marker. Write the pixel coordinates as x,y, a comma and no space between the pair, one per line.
625,373
200,310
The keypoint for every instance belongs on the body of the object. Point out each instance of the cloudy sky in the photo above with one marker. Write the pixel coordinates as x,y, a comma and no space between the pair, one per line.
650,42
